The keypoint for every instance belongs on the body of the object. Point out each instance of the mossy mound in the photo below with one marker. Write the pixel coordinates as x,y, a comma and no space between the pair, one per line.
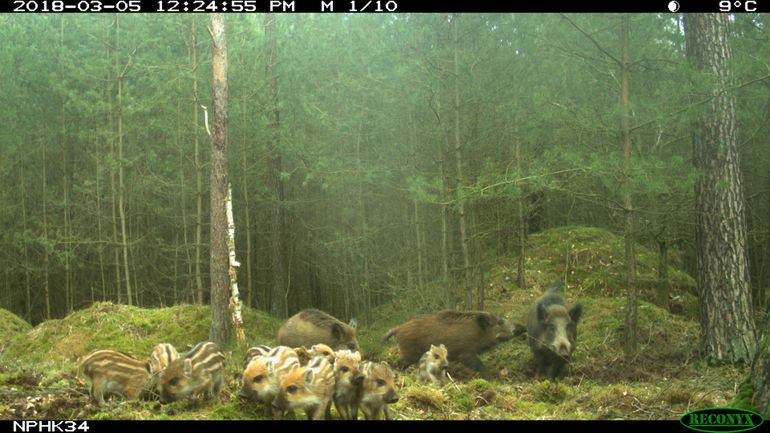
128,329
11,325
591,262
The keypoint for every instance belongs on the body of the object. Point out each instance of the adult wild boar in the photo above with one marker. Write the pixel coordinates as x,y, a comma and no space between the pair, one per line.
466,334
310,327
552,332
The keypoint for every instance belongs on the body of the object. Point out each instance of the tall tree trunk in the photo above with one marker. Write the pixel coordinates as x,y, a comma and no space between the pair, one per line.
444,209
521,222
221,327
727,329
97,165
628,206
27,284
416,206
198,164
663,288
65,181
363,242
120,76
246,211
122,194
183,199
279,302
759,377
459,161
46,284
113,157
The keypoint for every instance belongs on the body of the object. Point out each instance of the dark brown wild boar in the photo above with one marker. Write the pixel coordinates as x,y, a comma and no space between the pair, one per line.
311,326
552,332
466,334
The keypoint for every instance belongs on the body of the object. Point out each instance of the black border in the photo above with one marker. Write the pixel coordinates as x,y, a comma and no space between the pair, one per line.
428,6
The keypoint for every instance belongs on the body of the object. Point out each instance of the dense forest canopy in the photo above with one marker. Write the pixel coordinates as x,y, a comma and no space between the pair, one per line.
410,151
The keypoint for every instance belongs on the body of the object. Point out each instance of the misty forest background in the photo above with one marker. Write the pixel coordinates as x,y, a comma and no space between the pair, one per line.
372,157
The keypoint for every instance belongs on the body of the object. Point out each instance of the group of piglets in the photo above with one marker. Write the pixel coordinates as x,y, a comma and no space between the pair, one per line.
317,361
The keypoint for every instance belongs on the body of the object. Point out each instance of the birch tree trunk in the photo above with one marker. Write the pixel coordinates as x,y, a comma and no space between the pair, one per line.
235,300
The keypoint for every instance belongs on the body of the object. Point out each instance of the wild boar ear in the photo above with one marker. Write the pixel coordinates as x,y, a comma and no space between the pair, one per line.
541,313
188,367
353,323
309,375
484,321
576,312
337,331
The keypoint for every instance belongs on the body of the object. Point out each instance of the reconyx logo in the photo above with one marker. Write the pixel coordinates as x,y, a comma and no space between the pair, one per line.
721,420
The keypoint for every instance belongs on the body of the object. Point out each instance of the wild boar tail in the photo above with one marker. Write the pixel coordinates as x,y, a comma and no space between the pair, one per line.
389,334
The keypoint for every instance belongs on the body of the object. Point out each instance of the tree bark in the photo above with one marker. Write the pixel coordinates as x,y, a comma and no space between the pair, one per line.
628,206
521,222
27,283
459,161
97,165
46,283
221,327
728,332
279,302
363,242
68,295
246,211
113,182
759,379
198,164
183,204
121,177
235,300
663,286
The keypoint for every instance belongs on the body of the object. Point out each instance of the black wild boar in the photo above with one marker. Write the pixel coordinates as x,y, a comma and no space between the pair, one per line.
311,326
466,334
552,332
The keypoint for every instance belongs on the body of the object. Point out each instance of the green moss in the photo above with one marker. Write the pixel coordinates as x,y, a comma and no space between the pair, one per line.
128,329
11,326
744,395
426,396
592,261
550,392
479,385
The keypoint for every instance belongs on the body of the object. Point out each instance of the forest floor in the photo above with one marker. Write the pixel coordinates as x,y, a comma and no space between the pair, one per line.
664,380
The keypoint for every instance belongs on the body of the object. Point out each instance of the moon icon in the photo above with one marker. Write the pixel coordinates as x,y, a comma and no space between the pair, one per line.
673,5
